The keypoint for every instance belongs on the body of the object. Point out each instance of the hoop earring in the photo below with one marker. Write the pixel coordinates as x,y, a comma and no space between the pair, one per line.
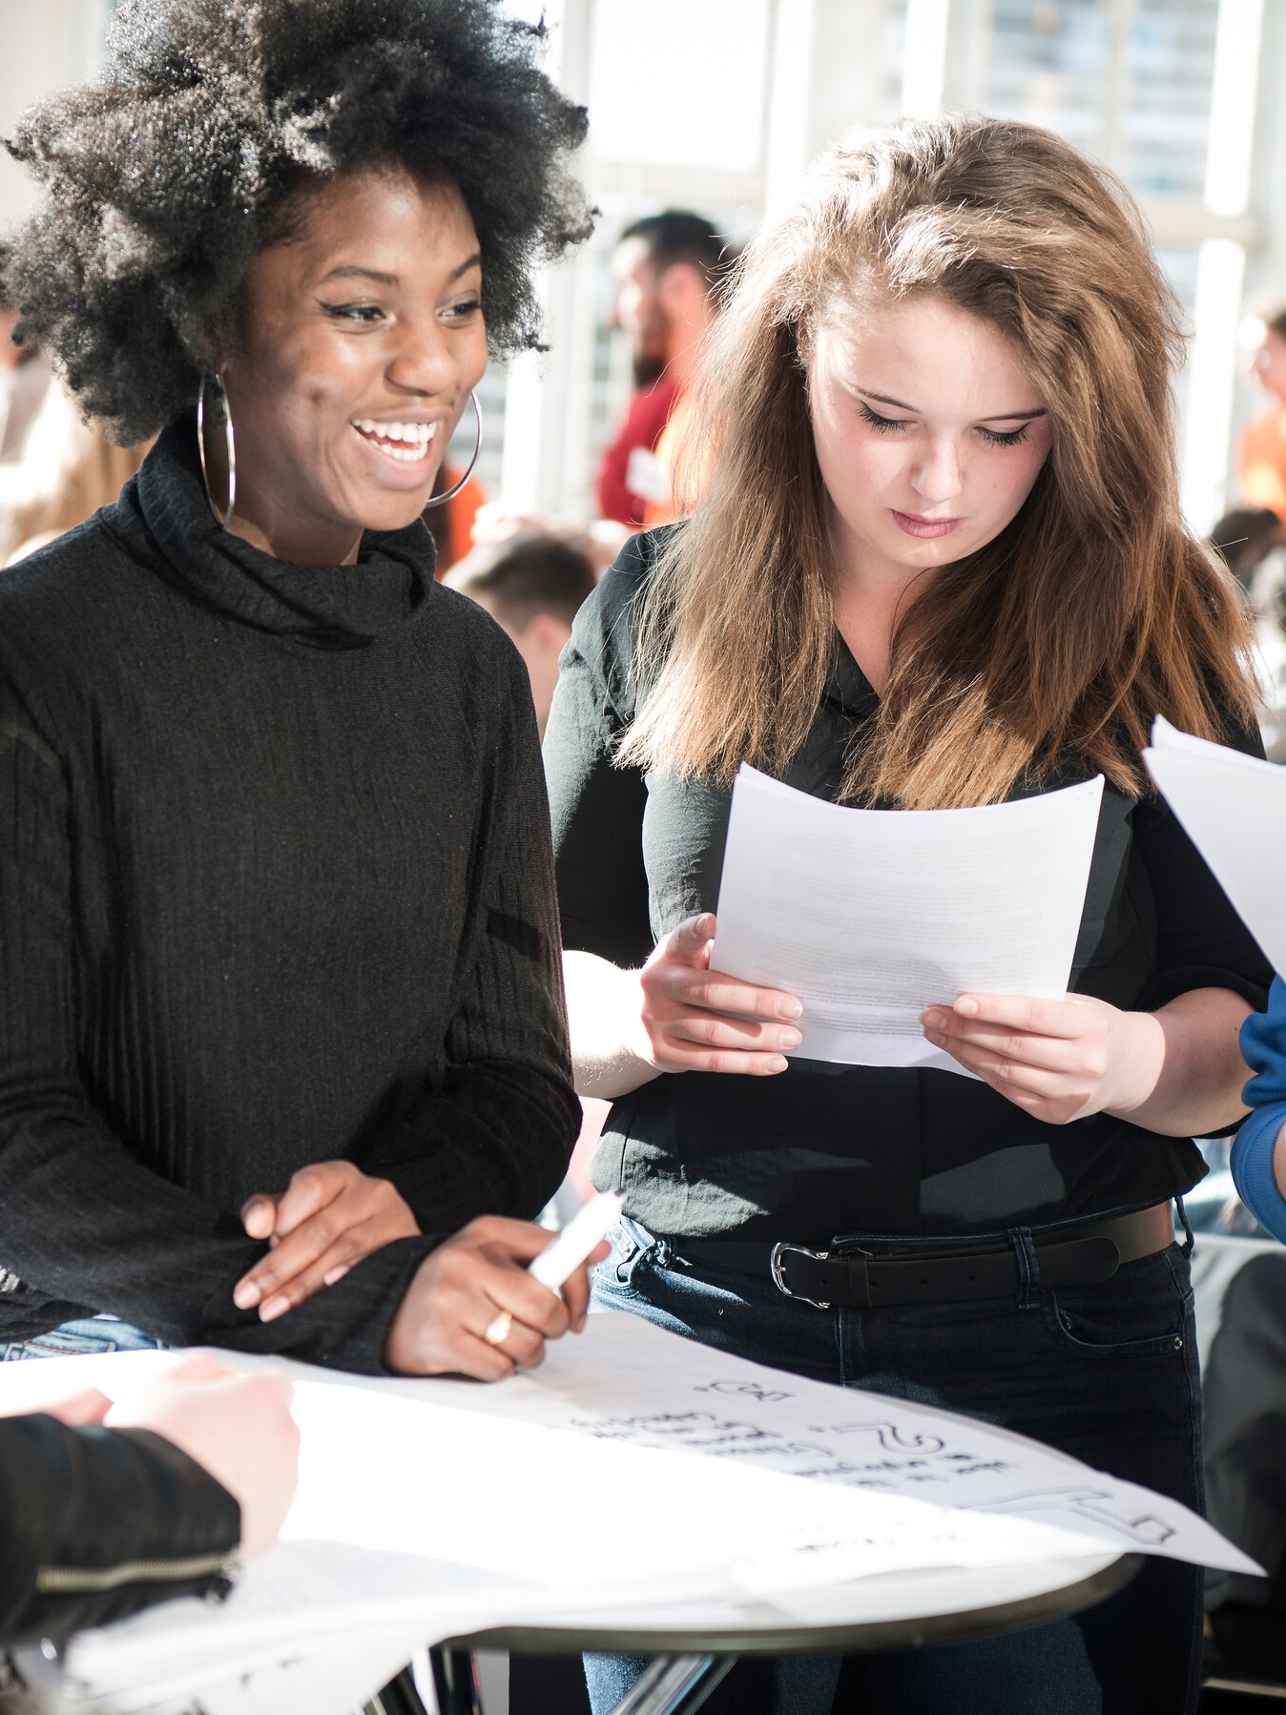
441,499
221,519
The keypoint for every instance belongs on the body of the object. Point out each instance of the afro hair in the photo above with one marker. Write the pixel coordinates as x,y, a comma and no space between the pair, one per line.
187,156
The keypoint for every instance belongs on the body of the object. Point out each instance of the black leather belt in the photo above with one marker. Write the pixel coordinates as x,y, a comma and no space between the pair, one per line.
1078,1254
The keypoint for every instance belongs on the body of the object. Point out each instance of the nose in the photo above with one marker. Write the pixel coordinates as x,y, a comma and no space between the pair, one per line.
425,359
936,476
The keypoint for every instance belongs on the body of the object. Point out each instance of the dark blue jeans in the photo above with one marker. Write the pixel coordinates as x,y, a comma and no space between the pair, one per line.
1107,1373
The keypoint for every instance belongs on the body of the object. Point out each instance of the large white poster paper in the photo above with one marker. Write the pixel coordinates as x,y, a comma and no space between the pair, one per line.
632,1472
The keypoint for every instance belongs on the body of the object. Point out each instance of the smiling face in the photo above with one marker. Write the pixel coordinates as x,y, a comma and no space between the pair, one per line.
361,337
929,435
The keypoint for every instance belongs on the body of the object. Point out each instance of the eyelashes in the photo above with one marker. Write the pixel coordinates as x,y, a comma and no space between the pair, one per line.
369,314
893,425
365,313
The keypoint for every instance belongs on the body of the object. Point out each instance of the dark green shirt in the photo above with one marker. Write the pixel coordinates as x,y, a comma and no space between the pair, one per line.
823,1150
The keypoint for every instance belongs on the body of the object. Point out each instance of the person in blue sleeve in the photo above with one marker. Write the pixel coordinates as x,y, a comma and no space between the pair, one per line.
1259,1154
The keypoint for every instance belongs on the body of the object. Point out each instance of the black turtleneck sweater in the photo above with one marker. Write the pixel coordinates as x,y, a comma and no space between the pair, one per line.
275,888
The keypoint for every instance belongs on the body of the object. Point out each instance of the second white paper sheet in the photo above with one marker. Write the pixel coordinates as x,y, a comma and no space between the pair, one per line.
869,916
1233,809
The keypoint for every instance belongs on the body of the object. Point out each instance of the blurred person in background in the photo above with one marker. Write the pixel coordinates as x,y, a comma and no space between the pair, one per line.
1244,538
1261,453
55,468
1248,539
666,268
532,585
24,376
67,469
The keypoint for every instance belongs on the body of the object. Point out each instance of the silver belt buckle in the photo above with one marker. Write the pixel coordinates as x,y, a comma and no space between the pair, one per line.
779,1278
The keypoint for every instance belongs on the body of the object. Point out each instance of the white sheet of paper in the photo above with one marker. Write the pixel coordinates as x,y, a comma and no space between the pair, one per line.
1233,808
869,916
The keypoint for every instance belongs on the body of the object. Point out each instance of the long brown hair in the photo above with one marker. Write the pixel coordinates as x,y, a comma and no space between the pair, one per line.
1093,611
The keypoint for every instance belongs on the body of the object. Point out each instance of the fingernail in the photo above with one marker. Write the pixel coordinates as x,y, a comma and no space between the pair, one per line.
931,1018
336,1273
967,1006
778,1063
246,1296
790,1009
791,1039
273,1308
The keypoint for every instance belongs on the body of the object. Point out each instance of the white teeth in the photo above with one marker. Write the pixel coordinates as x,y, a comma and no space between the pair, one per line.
414,436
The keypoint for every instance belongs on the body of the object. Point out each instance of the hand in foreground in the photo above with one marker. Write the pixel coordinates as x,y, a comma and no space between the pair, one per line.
77,1410
330,1216
238,1427
459,1292
1059,1060
1279,1161
693,1019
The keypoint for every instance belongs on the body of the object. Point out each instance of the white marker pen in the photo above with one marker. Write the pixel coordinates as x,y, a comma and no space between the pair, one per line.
577,1239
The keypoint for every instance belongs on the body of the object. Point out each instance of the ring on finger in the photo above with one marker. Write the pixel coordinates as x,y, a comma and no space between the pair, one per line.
497,1330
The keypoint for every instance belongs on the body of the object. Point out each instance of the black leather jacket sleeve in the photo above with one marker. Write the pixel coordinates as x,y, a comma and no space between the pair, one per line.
98,1523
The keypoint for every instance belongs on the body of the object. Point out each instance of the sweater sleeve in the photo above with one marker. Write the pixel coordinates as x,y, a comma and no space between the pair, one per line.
99,1523
494,1131
1263,1044
82,1221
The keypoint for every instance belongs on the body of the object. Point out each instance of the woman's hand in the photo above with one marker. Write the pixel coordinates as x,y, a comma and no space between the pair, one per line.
84,1410
477,1283
693,1019
1059,1060
329,1217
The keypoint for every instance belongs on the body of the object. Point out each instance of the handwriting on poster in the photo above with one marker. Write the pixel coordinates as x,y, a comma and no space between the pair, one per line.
873,1453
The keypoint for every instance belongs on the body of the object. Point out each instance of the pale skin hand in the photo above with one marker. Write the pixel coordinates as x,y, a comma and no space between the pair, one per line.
458,1291
1177,1071
77,1410
674,1015
237,1427
329,1217
1279,1161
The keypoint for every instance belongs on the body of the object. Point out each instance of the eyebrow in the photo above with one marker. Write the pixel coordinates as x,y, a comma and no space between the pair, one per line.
995,417
357,271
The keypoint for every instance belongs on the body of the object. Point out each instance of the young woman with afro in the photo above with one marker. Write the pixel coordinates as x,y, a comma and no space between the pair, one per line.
280,1005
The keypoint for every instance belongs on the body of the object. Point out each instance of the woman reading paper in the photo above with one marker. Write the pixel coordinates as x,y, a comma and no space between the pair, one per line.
939,562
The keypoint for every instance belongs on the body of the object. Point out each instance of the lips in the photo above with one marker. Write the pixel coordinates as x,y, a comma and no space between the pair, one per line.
926,529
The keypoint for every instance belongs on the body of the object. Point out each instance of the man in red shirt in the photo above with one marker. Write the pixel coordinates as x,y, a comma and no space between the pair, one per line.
665,267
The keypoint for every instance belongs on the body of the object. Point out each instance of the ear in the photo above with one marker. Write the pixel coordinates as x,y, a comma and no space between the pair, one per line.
548,633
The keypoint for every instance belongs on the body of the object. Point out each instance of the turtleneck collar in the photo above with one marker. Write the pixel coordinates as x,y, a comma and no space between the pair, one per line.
321,607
